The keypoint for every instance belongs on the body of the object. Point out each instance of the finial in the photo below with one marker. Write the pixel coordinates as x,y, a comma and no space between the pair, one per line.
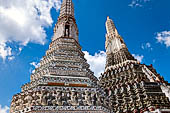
67,8
108,18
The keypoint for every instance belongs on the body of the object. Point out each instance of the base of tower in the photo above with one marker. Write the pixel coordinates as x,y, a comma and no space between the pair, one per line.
64,109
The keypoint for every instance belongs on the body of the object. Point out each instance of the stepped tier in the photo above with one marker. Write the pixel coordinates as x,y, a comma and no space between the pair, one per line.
63,83
57,98
64,58
131,87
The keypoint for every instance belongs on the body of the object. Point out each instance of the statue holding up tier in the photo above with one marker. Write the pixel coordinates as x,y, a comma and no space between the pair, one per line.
74,99
44,98
50,98
94,99
88,98
59,98
28,100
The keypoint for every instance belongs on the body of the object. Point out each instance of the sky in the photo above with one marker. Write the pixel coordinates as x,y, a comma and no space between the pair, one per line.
26,28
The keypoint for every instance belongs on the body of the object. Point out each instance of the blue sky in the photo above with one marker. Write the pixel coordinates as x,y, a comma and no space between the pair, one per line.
144,25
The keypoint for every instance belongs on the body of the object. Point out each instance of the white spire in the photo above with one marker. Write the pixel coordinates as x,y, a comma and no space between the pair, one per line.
113,40
116,50
110,27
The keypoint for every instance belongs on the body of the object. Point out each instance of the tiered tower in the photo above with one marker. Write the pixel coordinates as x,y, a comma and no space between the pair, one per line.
63,83
131,87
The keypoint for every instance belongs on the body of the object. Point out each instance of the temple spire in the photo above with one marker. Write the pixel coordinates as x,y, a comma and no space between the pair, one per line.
66,25
116,50
114,41
110,27
67,9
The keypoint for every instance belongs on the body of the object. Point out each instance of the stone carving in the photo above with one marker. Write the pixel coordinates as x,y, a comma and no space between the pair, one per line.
94,99
74,99
59,98
50,99
28,100
44,98
88,98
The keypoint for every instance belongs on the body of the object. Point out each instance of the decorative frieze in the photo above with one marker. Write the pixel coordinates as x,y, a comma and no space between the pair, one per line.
57,79
68,109
56,96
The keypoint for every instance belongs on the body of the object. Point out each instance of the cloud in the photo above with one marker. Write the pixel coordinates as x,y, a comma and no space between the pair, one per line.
96,61
4,51
4,109
23,21
138,57
20,49
11,58
154,60
138,3
164,37
147,46
35,65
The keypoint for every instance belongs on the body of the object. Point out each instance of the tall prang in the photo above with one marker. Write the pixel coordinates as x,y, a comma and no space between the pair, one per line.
63,83
116,49
131,87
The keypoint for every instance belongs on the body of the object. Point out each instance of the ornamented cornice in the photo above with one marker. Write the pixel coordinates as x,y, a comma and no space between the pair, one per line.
45,80
68,109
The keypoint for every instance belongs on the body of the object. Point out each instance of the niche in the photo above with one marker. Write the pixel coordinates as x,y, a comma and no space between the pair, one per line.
67,31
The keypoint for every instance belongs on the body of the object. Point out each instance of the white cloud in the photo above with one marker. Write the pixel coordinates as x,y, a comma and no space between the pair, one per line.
138,3
4,51
23,21
138,57
96,61
11,58
164,37
35,65
4,109
20,49
147,46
